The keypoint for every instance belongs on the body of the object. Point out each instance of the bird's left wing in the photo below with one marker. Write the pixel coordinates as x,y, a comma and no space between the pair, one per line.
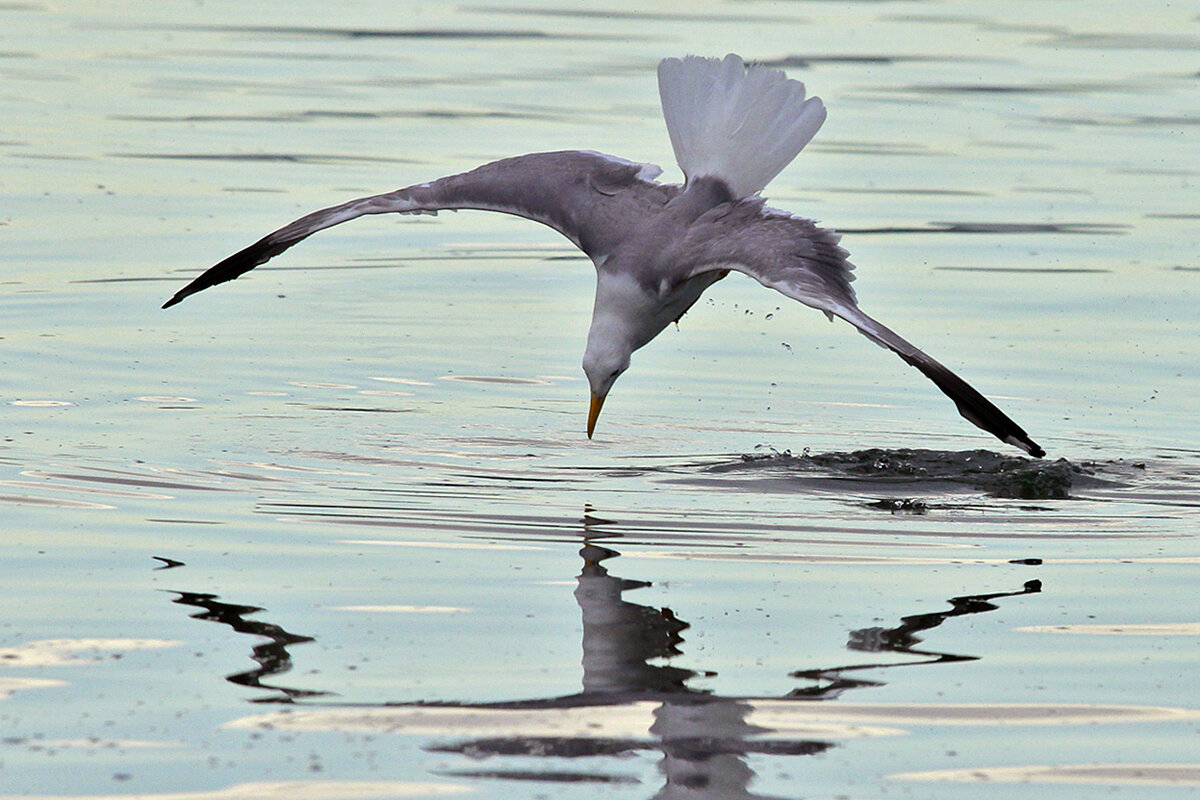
591,198
804,262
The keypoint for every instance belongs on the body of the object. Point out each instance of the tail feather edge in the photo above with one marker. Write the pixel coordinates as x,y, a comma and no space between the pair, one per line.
741,124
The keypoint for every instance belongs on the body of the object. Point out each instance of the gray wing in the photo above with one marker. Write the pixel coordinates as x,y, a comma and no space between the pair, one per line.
804,262
590,198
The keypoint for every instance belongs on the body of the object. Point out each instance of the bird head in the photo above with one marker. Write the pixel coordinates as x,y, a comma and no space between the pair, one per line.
623,319
603,365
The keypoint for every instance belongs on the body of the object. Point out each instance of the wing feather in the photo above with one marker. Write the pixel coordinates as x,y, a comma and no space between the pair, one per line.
591,198
804,262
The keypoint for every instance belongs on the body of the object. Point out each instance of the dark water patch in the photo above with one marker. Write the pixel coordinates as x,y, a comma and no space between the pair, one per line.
930,470
222,474
120,280
498,379
809,61
904,191
1170,173
291,116
283,88
1051,190
1044,270
873,148
266,55
536,775
391,264
1142,120
50,502
470,34
1012,144
500,253
287,158
1015,88
320,114
1093,228
52,156
982,23
362,409
998,26
1126,41
119,478
610,13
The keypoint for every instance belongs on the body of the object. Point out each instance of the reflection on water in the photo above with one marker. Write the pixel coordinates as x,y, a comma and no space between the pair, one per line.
273,656
703,739
900,639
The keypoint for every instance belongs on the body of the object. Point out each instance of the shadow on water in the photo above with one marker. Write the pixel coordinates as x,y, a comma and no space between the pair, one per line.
704,740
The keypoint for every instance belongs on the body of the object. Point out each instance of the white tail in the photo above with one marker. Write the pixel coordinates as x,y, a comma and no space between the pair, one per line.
737,123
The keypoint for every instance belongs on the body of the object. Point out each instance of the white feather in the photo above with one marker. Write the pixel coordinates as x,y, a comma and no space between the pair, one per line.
742,124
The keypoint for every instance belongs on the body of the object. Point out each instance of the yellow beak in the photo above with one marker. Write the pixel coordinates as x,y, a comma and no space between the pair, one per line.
594,413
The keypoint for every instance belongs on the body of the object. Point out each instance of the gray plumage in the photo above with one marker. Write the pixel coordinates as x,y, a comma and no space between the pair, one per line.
656,247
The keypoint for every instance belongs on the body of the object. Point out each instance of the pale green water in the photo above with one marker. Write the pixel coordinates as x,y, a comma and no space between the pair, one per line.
377,441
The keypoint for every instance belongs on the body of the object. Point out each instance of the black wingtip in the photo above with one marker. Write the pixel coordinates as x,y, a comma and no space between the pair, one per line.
187,291
1022,440
973,406
234,266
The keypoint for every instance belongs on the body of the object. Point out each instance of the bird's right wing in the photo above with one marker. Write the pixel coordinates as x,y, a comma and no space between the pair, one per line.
803,261
592,199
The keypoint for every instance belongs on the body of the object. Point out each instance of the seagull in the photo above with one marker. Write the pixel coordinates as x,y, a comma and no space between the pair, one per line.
657,246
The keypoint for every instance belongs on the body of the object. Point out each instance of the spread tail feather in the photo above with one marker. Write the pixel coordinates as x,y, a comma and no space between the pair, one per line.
741,124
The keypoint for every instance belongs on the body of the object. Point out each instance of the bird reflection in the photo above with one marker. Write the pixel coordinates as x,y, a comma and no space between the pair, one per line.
704,740
620,638
900,639
272,655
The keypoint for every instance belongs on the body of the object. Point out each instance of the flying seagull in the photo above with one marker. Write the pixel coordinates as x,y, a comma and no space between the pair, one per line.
657,247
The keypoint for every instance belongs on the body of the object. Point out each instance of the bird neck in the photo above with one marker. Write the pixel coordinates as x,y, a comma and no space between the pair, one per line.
620,317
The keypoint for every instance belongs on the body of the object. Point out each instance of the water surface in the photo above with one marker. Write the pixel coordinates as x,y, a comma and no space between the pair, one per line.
334,530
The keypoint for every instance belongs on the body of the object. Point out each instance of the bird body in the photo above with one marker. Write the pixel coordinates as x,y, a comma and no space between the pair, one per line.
657,247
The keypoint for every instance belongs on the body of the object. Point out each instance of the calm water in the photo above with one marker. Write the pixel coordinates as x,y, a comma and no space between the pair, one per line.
334,531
